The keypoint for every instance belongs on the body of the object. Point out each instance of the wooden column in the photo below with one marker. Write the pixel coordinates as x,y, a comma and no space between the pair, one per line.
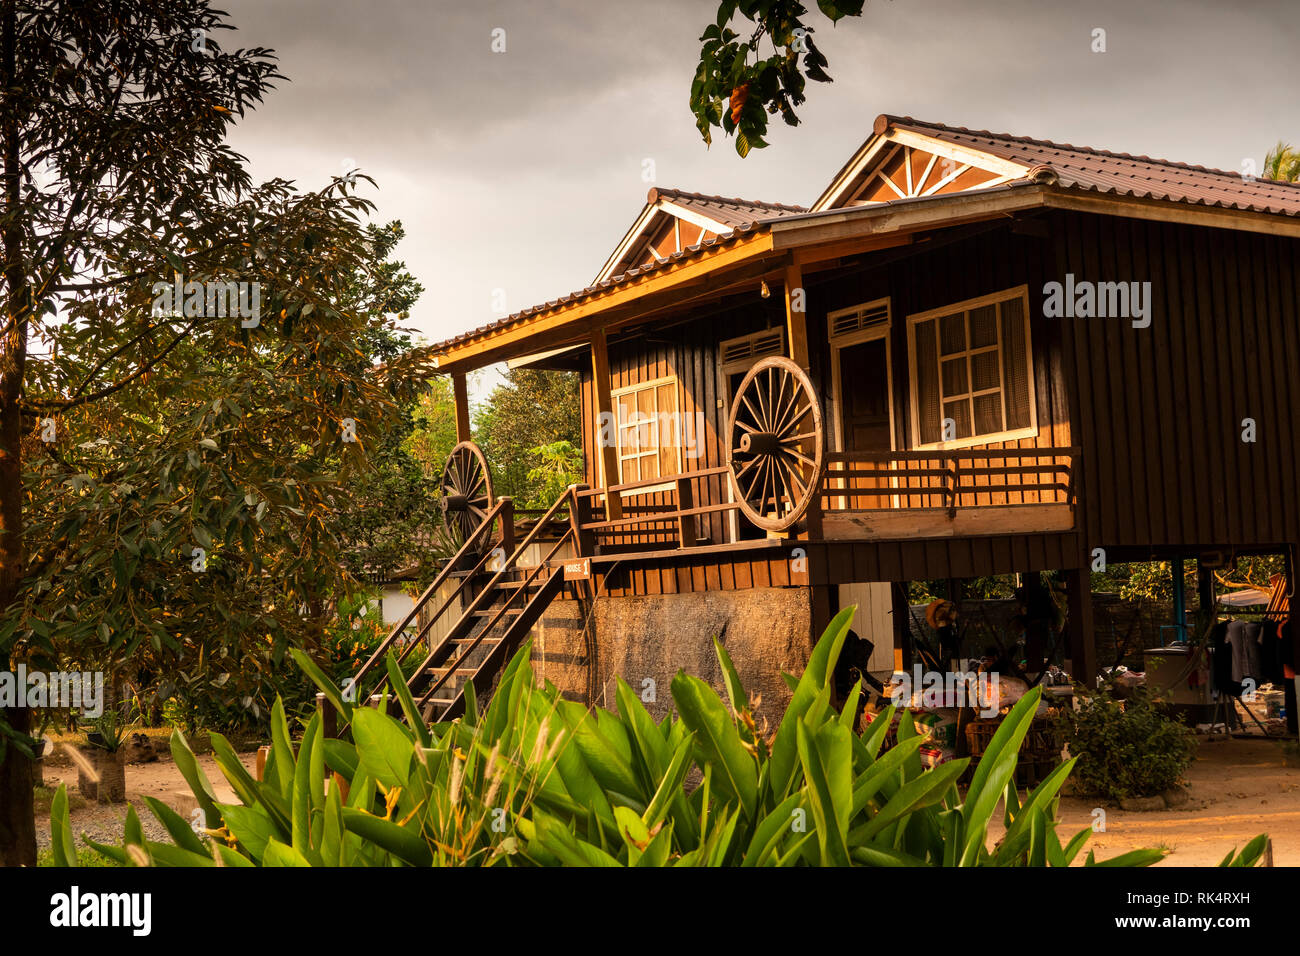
796,333
605,412
460,390
1083,641
901,613
796,325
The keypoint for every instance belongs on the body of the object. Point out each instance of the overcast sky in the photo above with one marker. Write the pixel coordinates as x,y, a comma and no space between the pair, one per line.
521,170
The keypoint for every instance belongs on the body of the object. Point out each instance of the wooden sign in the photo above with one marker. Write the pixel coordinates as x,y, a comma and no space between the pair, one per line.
578,570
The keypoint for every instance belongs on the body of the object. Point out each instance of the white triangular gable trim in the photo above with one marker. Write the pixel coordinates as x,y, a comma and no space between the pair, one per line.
649,223
880,150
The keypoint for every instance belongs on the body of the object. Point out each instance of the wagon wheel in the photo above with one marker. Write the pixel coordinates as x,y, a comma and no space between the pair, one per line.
775,443
466,489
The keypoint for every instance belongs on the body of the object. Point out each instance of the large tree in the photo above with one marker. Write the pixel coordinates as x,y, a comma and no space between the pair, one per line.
189,425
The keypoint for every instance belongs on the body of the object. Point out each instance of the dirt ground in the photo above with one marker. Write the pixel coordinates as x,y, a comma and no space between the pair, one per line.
159,779
1238,788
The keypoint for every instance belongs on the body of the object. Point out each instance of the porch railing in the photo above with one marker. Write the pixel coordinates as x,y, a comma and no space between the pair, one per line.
853,483
858,482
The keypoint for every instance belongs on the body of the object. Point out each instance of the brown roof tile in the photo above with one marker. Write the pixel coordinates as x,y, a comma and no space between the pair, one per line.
1103,171
728,211
1078,167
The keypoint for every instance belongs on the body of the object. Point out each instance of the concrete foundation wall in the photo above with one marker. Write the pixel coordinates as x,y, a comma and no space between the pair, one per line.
649,638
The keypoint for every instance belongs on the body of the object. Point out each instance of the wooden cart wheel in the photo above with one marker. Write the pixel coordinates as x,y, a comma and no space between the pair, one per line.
466,490
775,443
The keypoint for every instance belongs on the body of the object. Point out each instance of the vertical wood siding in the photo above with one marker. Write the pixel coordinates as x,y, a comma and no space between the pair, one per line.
1161,408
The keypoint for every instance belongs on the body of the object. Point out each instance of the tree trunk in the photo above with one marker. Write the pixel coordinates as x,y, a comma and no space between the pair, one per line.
17,815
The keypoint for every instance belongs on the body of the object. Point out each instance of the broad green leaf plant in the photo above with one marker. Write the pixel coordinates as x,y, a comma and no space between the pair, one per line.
535,779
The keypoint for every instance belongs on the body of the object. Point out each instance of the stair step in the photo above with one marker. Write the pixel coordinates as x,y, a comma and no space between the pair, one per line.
485,642
493,611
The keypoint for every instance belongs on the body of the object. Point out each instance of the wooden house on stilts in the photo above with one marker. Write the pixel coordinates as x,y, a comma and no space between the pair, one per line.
972,354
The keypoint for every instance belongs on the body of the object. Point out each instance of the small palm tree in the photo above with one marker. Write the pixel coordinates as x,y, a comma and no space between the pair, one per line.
1282,162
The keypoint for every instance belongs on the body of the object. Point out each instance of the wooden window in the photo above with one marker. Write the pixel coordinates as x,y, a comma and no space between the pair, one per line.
972,364
740,354
649,445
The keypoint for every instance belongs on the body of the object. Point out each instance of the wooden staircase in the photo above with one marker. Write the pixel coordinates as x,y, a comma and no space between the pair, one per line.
504,588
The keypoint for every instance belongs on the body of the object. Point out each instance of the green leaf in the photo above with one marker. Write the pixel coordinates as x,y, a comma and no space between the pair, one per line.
717,741
821,664
384,747
279,854
61,842
828,767
403,843
178,828
189,768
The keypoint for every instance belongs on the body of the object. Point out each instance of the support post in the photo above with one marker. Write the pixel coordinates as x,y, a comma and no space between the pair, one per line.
685,523
901,614
608,451
1083,642
796,333
460,390
796,312
507,525
1180,598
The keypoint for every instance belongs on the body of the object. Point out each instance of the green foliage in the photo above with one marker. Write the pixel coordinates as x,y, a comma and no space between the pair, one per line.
1282,162
1126,748
523,428
108,731
433,427
559,465
736,87
539,780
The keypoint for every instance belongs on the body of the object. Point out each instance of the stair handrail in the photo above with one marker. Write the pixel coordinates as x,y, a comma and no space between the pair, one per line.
507,565
470,542
496,618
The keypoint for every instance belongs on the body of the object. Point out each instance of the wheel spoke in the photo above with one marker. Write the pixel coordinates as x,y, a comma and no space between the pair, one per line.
789,422
778,474
747,465
800,455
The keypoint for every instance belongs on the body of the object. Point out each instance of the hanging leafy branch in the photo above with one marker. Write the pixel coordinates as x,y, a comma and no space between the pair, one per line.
736,88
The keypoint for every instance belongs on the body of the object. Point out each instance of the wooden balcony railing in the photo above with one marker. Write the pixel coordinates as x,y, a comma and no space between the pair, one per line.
860,495
860,482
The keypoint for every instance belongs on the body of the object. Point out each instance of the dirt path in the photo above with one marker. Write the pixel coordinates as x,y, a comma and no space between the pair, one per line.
159,779
1238,789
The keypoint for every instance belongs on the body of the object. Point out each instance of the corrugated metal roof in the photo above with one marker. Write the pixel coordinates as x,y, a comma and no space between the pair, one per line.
1099,170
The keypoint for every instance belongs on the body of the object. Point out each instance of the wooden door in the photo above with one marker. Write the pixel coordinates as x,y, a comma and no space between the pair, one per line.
863,391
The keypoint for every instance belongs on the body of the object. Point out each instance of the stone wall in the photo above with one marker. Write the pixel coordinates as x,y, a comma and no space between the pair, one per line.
650,638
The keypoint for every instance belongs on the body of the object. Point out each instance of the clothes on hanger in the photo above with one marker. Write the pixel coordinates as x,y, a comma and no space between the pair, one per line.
1223,659
1243,641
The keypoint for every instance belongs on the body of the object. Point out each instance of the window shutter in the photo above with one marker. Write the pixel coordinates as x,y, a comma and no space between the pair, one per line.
929,416
862,318
1015,364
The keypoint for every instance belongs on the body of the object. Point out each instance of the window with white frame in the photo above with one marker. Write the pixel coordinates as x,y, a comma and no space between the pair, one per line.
972,371
646,430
